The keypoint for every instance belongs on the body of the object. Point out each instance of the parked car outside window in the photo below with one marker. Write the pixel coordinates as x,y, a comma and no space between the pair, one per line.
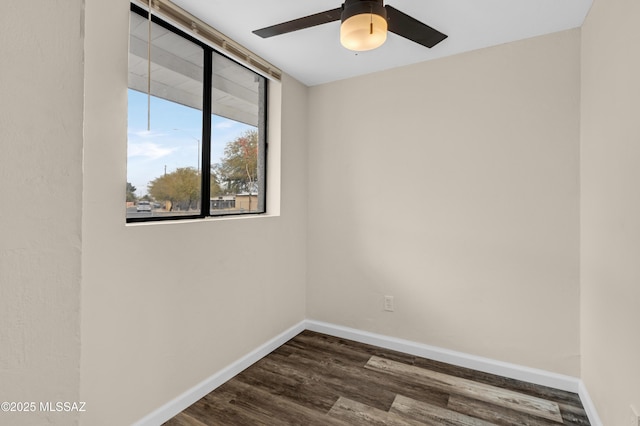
143,206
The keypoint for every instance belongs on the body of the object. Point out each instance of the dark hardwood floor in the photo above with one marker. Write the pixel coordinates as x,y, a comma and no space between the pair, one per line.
315,379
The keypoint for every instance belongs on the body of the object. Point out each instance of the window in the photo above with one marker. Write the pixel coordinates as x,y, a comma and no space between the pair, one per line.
197,128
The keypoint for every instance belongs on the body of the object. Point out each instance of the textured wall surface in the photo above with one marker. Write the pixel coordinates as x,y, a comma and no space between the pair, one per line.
167,305
41,83
452,185
610,208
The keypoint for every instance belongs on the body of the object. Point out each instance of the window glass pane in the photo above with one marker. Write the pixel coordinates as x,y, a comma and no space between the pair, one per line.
237,139
164,159
170,142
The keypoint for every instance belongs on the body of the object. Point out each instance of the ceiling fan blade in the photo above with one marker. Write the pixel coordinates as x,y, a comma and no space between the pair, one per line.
408,27
301,23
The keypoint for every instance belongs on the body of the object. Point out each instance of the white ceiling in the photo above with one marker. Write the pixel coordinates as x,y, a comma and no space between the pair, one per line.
315,56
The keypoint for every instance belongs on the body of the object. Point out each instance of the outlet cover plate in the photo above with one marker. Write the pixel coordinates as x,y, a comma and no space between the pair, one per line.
388,303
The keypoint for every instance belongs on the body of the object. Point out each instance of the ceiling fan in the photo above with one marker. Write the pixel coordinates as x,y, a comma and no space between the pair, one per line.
364,25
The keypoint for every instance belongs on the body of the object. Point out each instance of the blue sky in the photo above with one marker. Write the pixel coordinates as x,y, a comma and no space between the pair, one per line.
174,138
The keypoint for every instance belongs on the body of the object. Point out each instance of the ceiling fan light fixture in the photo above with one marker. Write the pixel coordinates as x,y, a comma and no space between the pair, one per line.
364,25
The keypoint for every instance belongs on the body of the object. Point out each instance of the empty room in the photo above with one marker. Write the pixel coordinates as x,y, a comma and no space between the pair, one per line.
432,218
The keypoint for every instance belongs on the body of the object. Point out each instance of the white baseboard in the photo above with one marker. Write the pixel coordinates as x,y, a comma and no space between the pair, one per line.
504,369
589,406
183,401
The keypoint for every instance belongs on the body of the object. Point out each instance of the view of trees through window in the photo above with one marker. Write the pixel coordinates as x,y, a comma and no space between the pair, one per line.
164,166
188,156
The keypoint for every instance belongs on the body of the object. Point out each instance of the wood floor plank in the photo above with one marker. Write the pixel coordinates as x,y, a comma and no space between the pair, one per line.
358,414
220,408
369,386
544,392
183,419
308,391
574,415
492,413
220,414
327,376
421,411
497,396
348,348
332,380
327,361
271,409
310,339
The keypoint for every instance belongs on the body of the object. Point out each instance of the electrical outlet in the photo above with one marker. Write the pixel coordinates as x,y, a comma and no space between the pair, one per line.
388,303
634,417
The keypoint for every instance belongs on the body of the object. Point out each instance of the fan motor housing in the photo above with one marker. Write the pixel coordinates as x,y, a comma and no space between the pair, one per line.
357,7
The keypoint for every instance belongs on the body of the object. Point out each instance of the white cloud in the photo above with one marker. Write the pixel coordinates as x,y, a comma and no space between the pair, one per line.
149,150
225,125
143,134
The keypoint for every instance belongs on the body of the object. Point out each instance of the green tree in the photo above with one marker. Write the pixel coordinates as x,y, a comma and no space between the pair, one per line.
214,185
238,170
131,192
181,188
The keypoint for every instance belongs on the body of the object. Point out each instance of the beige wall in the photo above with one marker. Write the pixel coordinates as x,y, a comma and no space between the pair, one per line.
166,306
481,253
610,208
41,203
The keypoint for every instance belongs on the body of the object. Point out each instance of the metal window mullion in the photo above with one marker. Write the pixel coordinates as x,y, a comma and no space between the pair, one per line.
262,146
206,133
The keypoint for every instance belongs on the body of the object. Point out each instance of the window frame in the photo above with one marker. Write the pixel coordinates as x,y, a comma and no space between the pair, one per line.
207,107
